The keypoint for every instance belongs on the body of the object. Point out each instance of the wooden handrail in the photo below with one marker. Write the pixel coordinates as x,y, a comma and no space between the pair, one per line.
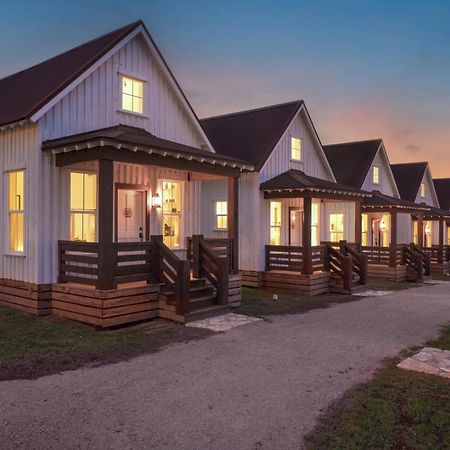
359,261
341,265
223,247
414,260
426,259
207,263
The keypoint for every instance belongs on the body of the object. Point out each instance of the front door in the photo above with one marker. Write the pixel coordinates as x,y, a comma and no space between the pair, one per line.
130,215
295,226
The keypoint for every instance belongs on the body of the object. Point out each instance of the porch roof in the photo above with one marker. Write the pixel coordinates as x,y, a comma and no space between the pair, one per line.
295,183
136,145
386,202
435,213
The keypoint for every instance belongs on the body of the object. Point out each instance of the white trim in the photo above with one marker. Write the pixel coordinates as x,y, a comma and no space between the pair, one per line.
13,124
133,113
139,30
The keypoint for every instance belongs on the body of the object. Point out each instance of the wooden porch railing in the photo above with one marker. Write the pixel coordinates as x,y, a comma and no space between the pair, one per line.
359,261
284,257
223,247
132,262
438,254
78,262
414,261
426,259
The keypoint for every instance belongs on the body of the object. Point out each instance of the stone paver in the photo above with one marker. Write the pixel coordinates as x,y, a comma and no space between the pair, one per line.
373,293
429,360
224,322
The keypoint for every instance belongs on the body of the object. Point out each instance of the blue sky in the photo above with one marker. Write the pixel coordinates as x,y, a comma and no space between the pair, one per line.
365,68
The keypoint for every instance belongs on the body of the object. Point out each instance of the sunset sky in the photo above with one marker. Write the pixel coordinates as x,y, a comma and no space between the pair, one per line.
366,69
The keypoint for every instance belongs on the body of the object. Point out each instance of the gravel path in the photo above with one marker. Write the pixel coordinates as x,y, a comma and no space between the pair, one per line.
258,386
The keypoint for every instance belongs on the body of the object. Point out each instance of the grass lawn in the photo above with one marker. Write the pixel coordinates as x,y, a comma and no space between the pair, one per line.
260,303
440,277
32,347
376,283
398,409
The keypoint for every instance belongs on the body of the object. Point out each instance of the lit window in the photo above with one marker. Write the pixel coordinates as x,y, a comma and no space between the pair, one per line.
296,148
376,175
171,210
15,209
365,230
221,215
83,207
275,223
336,227
422,190
315,224
132,95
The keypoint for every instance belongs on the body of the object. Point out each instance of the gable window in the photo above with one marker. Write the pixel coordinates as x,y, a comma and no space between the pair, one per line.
296,148
422,190
221,215
376,175
275,223
83,207
132,94
171,212
15,210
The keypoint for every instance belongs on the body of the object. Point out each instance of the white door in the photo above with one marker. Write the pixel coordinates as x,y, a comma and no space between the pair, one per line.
130,215
295,227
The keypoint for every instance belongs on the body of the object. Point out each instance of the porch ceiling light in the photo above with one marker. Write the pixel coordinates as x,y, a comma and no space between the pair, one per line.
156,201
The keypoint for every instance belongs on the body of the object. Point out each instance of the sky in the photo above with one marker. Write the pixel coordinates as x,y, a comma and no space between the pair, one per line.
366,69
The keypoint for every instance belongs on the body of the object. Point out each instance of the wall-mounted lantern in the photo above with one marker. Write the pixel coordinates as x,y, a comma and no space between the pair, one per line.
156,201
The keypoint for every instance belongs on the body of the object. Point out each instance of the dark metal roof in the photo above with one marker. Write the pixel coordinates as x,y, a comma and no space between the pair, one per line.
437,212
442,187
293,180
379,200
250,135
408,177
351,161
136,139
25,92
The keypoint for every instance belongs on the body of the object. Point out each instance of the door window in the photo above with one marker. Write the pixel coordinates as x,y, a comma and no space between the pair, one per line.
336,227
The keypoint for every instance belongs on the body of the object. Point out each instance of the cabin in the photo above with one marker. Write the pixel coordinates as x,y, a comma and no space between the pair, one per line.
415,183
102,159
298,228
387,219
442,188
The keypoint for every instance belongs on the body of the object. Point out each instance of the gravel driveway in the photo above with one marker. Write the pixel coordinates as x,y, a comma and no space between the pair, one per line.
258,386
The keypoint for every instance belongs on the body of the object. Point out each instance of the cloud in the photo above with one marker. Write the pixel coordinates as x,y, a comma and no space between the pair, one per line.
413,147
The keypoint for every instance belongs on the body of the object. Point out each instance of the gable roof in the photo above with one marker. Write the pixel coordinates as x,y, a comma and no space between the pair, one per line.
25,92
351,161
408,177
381,200
442,187
297,180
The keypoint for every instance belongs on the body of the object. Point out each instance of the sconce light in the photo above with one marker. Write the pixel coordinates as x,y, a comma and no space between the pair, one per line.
156,201
382,226
427,229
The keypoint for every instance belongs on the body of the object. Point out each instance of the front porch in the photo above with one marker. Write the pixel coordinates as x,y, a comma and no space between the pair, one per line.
137,252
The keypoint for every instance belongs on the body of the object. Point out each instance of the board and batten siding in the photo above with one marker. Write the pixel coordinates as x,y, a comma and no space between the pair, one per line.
212,191
430,194
96,102
387,183
404,228
313,160
19,149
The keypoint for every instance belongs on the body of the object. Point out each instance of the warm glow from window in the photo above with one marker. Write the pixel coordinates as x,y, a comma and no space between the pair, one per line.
415,232
132,94
364,230
315,224
83,207
336,227
221,215
376,175
296,148
275,223
422,190
171,208
385,226
15,210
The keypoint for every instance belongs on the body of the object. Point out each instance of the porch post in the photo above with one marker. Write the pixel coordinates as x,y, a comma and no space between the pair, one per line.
306,235
233,221
420,229
106,257
358,223
441,241
393,242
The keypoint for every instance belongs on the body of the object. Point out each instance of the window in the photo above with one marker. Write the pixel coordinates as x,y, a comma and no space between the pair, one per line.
336,227
132,95
296,148
15,210
376,175
422,190
415,232
171,211
221,215
315,224
364,230
275,223
83,207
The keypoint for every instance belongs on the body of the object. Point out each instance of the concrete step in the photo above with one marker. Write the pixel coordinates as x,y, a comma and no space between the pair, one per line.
206,313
